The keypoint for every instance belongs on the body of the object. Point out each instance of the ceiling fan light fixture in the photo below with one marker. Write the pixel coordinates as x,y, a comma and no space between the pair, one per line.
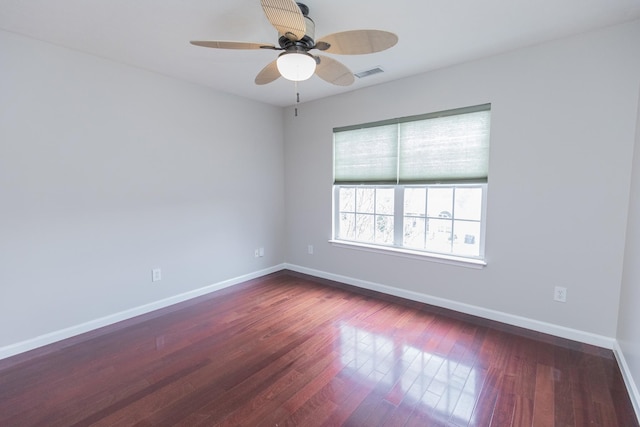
296,37
296,66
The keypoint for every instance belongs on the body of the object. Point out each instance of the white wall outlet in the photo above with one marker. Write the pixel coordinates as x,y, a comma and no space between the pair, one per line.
560,294
310,249
261,252
256,253
156,275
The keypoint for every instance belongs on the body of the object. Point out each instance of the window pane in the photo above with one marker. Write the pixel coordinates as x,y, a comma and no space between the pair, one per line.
347,226
439,235
467,238
384,229
364,228
440,202
414,230
368,215
365,200
414,201
347,199
384,201
468,203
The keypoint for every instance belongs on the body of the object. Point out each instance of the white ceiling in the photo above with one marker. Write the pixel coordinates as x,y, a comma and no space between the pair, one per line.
155,34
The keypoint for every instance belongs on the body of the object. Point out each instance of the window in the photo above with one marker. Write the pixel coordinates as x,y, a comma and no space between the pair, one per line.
417,183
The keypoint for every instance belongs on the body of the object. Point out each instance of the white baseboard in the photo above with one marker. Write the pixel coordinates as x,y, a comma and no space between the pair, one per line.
510,319
52,337
632,388
560,331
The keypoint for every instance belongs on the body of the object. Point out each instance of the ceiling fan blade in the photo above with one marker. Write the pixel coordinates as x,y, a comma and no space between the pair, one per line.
357,42
334,72
286,17
268,74
217,44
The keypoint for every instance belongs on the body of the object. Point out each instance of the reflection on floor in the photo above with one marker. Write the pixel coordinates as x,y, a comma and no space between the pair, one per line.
447,388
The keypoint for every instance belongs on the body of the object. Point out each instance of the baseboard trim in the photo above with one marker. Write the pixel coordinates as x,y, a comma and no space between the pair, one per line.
632,388
63,334
510,319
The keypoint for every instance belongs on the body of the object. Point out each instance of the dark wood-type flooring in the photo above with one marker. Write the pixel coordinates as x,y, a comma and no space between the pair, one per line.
290,350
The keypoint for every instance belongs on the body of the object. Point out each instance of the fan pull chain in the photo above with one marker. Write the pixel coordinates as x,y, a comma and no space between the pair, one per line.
297,98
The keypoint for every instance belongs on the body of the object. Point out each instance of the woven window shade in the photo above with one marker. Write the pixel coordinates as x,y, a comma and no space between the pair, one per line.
445,147
452,148
368,155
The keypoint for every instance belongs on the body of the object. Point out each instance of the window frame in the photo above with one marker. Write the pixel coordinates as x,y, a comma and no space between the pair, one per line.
371,172
397,247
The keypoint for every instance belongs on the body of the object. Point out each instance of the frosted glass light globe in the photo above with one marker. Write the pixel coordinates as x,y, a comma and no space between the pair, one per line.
296,66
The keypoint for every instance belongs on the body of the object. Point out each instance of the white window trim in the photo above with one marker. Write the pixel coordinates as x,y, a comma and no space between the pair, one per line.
408,253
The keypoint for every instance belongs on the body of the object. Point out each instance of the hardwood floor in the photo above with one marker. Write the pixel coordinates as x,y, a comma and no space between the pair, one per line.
288,350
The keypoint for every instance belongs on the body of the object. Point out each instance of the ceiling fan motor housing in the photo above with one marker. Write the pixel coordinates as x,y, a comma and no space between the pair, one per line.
308,41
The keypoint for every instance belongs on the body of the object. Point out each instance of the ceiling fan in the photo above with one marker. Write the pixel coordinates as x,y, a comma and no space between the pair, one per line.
296,32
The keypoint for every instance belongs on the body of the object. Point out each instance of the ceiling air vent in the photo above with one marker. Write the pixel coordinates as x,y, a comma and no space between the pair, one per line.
367,73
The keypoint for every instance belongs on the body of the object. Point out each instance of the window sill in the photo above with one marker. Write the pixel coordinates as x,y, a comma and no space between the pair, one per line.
408,253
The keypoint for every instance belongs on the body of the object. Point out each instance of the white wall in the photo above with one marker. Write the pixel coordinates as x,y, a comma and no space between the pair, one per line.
563,122
629,320
107,171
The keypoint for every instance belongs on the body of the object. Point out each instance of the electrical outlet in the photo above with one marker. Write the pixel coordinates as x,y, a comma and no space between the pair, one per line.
560,294
156,275
256,253
310,249
261,252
